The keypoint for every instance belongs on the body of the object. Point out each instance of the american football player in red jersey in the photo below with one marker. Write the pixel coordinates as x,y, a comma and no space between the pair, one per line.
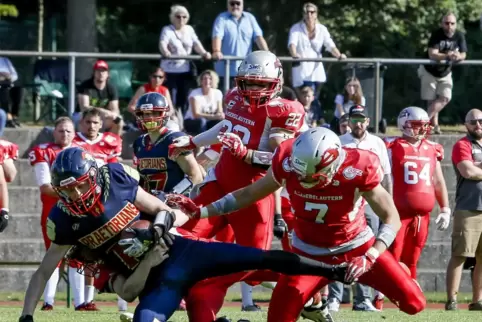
327,186
417,182
256,122
41,158
8,172
105,147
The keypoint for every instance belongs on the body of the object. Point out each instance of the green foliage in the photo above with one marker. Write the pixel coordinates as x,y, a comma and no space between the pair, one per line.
361,28
8,10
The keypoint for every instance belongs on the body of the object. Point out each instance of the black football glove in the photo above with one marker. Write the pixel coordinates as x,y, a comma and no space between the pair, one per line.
280,228
4,217
26,318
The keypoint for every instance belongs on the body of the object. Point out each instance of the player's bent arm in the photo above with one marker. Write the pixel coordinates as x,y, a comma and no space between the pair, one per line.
152,205
9,170
42,176
189,166
382,204
469,170
37,283
441,192
130,288
242,198
208,137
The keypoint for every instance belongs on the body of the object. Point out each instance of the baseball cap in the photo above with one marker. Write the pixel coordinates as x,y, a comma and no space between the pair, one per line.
100,64
357,110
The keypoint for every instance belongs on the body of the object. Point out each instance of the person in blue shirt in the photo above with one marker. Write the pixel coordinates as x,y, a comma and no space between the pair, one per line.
97,204
233,34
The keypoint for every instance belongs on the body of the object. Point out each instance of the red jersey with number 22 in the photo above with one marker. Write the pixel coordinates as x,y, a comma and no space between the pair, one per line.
334,215
254,129
413,168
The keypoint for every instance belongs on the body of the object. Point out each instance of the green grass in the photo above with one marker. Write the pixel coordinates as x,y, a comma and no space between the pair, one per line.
10,311
345,315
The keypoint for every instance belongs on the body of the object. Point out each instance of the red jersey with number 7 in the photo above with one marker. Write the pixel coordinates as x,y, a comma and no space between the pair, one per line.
334,215
413,168
253,127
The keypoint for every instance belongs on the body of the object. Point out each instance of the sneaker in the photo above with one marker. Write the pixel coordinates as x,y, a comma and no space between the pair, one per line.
451,305
126,317
365,306
90,307
477,306
47,307
251,308
378,302
333,305
80,307
317,314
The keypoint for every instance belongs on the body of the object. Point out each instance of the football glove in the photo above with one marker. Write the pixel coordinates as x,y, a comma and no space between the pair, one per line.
184,204
358,266
234,144
280,228
180,145
443,219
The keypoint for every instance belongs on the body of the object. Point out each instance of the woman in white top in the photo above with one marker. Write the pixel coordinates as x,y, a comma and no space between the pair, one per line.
352,95
205,104
179,39
306,39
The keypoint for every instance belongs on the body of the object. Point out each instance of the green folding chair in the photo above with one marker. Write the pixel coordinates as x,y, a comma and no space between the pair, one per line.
120,74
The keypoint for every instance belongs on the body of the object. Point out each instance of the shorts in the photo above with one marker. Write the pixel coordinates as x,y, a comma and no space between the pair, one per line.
467,233
432,86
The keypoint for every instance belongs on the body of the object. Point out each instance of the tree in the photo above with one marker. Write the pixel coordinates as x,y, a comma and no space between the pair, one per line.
8,10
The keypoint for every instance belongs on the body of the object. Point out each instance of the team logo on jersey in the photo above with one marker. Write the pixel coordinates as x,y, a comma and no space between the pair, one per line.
350,173
287,165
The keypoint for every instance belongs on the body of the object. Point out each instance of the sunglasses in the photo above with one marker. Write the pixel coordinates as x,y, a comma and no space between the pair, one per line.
181,17
158,76
475,122
311,12
235,3
449,23
358,119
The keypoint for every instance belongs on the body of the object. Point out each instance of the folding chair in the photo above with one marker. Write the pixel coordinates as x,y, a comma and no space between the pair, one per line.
51,79
120,74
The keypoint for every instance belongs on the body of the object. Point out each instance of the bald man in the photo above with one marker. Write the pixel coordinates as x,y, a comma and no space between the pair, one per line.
446,43
467,227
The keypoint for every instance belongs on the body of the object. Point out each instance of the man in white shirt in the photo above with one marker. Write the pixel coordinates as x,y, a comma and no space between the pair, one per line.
359,138
11,95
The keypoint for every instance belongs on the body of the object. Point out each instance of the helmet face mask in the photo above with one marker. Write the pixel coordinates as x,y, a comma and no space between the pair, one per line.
414,123
152,112
79,195
259,78
316,157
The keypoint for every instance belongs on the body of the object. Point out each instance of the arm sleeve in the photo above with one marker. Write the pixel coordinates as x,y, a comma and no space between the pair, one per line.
257,32
373,173
42,173
462,151
113,93
384,160
439,152
327,40
433,41
126,180
339,99
462,43
293,36
289,117
218,27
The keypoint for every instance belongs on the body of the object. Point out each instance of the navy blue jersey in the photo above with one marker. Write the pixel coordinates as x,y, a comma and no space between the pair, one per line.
158,172
100,229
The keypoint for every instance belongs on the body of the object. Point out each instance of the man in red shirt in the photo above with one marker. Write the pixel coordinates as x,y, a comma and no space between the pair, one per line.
327,186
41,158
467,225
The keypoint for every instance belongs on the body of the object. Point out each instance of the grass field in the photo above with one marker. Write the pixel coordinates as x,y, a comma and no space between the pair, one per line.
10,308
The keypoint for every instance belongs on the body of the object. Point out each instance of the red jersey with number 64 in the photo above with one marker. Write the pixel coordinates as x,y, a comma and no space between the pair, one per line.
254,130
334,215
413,168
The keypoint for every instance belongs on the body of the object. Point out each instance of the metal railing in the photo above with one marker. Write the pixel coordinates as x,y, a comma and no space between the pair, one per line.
376,62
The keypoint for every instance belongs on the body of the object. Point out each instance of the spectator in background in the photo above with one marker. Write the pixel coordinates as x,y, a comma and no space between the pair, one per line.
467,216
306,40
99,92
179,39
446,43
344,124
352,95
313,114
155,85
287,92
205,104
9,93
233,34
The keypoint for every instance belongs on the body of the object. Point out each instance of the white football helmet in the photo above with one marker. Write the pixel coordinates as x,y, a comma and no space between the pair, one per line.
316,157
259,78
414,122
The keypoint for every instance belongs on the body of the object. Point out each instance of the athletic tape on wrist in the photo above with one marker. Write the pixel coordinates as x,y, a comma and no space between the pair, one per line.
226,204
386,234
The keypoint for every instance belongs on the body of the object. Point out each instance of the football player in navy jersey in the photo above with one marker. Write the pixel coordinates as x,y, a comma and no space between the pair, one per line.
158,172
97,204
